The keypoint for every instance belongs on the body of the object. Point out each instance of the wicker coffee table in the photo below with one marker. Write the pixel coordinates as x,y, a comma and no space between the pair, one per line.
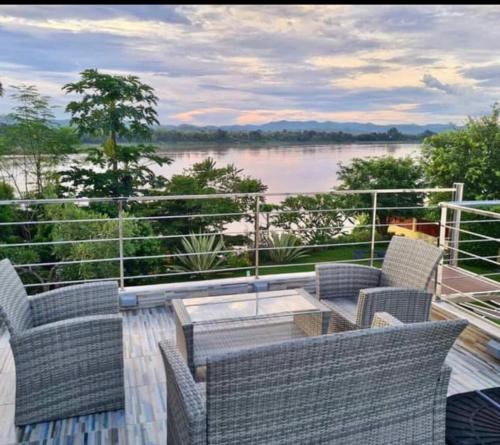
212,325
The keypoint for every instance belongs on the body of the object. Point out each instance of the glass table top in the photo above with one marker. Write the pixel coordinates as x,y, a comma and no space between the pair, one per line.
249,305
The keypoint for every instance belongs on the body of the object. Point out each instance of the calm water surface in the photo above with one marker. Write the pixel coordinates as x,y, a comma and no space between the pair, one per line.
310,168
299,168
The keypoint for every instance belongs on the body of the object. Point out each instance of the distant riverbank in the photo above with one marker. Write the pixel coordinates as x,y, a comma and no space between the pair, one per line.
283,168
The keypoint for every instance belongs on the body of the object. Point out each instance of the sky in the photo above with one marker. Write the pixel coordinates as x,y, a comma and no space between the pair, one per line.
253,64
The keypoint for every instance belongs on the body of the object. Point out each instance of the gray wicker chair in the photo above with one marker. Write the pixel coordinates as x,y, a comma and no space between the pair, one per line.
67,346
355,293
382,386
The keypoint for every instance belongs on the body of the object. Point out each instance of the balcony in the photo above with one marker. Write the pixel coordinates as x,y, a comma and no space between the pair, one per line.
146,297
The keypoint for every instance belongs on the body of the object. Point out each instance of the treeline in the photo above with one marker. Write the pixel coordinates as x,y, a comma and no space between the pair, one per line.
219,136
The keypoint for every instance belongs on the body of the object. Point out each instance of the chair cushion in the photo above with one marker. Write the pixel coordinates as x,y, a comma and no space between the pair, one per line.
344,306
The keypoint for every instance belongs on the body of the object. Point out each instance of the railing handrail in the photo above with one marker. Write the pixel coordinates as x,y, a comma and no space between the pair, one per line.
256,211
217,195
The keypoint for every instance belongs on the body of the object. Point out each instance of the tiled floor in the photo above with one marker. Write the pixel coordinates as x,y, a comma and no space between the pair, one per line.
144,419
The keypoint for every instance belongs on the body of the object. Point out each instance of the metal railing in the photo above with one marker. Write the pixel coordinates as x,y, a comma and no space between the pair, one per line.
250,219
472,254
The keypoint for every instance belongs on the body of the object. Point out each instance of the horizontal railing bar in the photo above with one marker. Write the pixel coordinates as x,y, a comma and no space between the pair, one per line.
177,255
485,237
218,196
474,210
320,262
474,259
52,283
231,269
496,263
126,238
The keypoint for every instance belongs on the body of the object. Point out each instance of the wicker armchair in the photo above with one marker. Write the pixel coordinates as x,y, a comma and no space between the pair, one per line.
67,346
381,386
355,293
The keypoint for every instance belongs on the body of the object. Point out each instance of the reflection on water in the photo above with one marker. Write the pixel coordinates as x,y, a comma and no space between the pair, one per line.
283,168
310,168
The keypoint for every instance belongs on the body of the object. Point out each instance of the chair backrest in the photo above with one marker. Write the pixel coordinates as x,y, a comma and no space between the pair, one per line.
409,263
374,386
15,311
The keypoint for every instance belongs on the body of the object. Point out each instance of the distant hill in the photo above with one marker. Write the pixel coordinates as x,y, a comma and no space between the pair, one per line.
327,126
346,127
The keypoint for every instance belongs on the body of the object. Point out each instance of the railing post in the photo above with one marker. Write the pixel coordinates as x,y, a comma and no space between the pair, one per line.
458,195
442,244
374,228
120,243
257,235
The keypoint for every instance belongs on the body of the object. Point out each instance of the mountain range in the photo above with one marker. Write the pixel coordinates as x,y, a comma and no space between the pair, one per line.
326,126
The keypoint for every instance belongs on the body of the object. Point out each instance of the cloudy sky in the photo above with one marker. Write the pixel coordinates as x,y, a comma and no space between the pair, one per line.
254,64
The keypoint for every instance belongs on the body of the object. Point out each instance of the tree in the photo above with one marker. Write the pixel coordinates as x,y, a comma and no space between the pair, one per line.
41,144
201,179
470,155
312,219
1,89
382,173
117,109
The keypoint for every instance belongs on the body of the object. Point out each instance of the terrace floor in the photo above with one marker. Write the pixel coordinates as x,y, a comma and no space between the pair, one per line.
144,419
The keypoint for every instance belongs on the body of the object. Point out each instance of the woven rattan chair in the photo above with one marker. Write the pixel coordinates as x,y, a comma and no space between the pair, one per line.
355,293
67,346
380,386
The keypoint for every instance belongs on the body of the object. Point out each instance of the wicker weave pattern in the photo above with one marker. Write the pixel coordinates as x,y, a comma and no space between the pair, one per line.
186,416
374,386
409,263
383,320
62,373
344,280
407,305
69,367
75,301
440,405
15,311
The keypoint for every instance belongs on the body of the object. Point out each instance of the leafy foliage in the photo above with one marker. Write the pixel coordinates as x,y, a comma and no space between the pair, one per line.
32,135
284,247
199,253
470,155
115,108
382,173
312,219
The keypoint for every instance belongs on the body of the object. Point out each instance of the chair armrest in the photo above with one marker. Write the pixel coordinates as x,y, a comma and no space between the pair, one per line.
69,349
75,301
186,407
384,319
334,280
407,305
439,432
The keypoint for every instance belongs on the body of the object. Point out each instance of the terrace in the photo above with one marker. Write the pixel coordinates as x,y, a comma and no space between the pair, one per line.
464,287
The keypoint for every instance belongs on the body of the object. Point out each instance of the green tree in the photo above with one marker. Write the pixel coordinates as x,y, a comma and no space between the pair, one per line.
382,173
470,155
117,109
312,219
39,143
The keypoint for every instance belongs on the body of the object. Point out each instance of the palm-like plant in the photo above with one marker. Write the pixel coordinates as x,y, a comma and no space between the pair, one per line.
284,247
199,253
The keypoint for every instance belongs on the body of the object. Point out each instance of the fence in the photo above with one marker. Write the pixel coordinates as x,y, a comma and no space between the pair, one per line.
471,240
256,213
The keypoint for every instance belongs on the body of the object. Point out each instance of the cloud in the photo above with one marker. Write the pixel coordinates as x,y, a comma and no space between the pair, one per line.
230,63
433,82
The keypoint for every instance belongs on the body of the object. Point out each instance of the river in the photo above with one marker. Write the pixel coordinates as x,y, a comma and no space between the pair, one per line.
297,168
283,168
